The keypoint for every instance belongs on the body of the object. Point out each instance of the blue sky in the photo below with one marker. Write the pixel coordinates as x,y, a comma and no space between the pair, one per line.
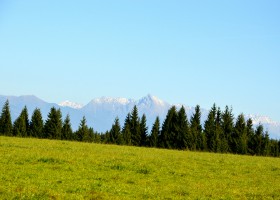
191,52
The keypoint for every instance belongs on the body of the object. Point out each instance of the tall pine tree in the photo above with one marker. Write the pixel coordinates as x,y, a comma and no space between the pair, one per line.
169,130
53,125
67,132
240,140
126,130
115,133
153,139
251,135
196,130
135,127
210,129
183,129
36,124
6,127
143,130
21,124
82,133
227,125
259,135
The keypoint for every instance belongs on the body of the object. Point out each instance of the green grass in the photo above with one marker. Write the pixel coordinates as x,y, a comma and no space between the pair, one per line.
48,169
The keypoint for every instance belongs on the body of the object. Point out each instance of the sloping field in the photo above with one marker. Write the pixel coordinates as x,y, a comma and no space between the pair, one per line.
49,169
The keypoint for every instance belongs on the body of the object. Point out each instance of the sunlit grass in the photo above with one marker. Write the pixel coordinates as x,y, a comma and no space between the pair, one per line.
49,169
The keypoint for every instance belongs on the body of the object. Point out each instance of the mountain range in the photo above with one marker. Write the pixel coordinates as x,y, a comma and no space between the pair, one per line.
101,112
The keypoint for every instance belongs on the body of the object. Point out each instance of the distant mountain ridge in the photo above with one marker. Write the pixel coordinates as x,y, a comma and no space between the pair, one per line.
101,112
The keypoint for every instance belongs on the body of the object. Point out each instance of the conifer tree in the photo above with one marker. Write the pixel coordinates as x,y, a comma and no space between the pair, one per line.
183,129
135,127
6,126
115,133
126,130
259,135
251,135
36,124
266,145
53,125
143,130
82,133
210,129
67,132
169,130
240,144
218,131
227,125
153,139
21,124
196,130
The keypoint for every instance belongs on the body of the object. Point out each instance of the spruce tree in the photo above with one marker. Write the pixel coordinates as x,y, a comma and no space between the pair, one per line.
183,129
126,130
240,140
115,133
153,139
21,124
82,133
6,127
169,132
259,135
218,131
135,127
143,130
266,145
227,125
210,129
36,124
53,125
196,130
67,132
251,135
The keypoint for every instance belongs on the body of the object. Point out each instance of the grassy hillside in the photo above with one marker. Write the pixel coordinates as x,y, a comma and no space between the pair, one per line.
45,169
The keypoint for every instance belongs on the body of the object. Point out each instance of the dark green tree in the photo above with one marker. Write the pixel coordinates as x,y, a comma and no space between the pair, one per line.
259,135
82,133
36,124
196,130
266,145
169,132
126,130
135,127
67,132
240,138
115,133
53,125
227,125
6,127
143,130
21,124
251,137
210,129
218,131
153,139
183,129
274,148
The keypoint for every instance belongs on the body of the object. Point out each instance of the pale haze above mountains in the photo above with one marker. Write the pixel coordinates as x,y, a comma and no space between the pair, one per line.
101,112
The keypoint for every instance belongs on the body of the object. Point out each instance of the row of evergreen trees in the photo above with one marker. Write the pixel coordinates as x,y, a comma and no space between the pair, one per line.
221,132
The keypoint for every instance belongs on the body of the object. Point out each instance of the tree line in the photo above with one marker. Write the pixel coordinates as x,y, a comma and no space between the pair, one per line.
221,131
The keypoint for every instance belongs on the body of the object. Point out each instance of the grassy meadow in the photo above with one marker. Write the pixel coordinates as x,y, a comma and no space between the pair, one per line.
49,169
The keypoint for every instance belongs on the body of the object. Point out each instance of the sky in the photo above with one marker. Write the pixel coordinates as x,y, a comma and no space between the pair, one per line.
191,52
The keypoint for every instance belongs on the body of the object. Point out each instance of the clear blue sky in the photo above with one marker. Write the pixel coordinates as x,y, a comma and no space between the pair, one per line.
191,52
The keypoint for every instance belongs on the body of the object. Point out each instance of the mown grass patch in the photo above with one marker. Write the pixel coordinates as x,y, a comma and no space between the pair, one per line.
49,169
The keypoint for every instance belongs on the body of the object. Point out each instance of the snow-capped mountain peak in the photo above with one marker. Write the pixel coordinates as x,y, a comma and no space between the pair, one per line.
152,100
109,100
71,104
